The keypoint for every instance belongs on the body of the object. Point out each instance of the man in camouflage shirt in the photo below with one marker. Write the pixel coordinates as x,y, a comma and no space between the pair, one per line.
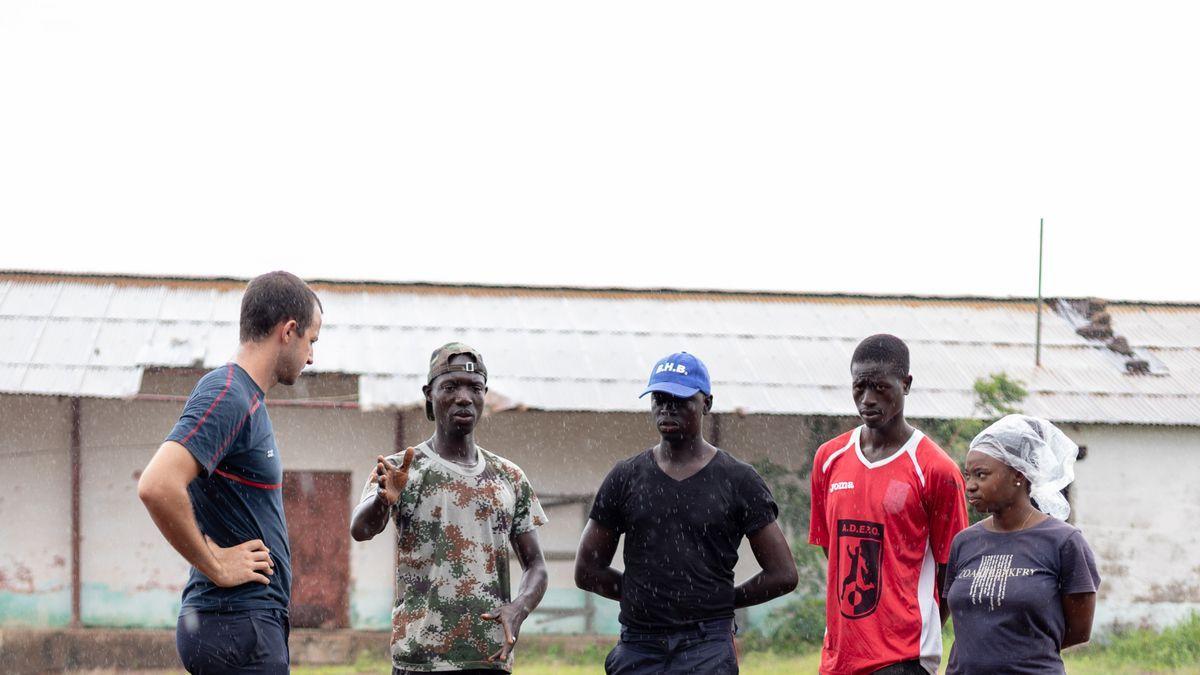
457,507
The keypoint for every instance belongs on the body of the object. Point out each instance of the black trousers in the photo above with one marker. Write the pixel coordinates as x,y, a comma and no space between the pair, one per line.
252,641
705,649
913,667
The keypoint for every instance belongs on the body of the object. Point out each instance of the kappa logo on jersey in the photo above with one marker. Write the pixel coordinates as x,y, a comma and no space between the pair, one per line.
860,552
671,368
844,485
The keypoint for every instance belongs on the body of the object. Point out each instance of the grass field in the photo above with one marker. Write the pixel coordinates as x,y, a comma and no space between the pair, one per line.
1174,651
752,664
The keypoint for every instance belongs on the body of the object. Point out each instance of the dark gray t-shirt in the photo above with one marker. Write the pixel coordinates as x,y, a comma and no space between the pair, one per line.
1005,592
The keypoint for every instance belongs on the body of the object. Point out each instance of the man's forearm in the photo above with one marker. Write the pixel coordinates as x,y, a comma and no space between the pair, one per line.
764,586
171,511
603,581
533,586
370,518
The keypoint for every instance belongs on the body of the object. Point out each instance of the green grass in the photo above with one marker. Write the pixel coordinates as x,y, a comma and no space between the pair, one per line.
582,663
1093,662
1174,651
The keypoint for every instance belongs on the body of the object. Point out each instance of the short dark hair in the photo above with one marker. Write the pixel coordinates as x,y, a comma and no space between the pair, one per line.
883,348
275,297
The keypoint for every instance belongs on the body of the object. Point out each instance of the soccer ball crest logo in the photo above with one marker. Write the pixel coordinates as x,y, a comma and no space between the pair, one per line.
860,553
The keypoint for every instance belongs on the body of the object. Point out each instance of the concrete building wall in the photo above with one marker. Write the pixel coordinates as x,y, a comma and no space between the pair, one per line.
346,440
1135,499
132,577
35,511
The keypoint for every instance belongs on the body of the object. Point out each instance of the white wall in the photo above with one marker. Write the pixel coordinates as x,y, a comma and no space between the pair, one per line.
1136,501
132,577
346,440
35,511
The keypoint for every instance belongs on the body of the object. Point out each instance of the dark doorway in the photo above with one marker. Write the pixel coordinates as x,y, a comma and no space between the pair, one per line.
317,507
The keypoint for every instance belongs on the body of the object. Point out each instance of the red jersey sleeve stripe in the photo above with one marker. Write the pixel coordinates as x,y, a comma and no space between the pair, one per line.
244,481
212,406
233,434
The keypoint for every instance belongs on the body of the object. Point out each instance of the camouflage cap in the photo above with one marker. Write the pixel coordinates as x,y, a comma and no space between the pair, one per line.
439,364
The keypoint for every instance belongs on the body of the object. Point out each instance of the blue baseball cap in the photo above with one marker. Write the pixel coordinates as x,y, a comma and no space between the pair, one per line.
679,374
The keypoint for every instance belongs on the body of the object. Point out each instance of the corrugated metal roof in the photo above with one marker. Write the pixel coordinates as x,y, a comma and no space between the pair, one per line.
577,350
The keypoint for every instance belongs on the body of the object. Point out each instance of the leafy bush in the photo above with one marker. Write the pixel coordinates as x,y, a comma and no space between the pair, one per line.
796,628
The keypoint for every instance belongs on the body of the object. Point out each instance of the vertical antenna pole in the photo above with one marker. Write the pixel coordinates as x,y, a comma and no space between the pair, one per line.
1037,358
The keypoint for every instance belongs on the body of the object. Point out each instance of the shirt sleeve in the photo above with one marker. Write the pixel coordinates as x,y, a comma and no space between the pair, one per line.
528,514
1078,573
212,418
371,488
818,525
758,504
946,506
607,507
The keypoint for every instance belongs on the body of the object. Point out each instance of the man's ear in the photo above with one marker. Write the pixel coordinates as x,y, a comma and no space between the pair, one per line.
427,390
708,400
289,330
907,384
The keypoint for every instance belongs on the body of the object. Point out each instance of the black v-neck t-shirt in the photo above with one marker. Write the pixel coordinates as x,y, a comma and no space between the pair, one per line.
681,537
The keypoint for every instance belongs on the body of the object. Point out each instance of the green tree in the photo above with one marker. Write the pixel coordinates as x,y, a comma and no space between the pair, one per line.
996,395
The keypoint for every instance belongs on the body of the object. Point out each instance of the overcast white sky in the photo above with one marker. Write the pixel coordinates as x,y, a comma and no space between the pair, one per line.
861,147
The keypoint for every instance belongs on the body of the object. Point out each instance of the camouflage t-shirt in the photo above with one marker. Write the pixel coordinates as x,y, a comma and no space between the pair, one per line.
454,524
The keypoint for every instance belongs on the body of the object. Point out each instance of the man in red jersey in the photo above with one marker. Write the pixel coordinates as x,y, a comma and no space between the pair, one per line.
886,502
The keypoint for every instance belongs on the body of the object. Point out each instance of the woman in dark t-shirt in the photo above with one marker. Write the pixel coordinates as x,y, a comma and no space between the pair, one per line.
1021,584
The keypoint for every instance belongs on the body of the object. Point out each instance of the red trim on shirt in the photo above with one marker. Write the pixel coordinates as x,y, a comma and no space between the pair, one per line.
243,481
211,406
236,430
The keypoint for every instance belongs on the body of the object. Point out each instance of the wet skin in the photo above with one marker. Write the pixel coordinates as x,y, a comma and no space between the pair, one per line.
879,392
682,452
995,487
297,350
457,400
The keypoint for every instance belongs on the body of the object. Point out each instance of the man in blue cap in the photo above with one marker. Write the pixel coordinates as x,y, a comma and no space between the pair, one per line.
684,507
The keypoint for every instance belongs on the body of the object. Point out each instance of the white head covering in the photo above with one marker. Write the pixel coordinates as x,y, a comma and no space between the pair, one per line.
1040,451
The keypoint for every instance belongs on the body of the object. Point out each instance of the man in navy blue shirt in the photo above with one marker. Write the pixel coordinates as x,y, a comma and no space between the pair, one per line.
214,489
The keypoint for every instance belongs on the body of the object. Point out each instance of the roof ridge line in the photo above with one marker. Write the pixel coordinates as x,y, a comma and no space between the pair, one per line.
350,285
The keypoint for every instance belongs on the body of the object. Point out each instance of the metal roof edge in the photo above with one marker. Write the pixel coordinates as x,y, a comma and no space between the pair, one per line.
351,285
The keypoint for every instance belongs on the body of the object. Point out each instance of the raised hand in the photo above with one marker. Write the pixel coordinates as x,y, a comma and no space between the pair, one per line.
392,478
247,562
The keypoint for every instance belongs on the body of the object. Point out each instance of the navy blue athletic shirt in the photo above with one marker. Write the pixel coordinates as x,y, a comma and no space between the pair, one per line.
238,495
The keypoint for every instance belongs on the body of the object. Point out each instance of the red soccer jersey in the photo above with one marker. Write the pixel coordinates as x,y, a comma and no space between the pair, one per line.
885,525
